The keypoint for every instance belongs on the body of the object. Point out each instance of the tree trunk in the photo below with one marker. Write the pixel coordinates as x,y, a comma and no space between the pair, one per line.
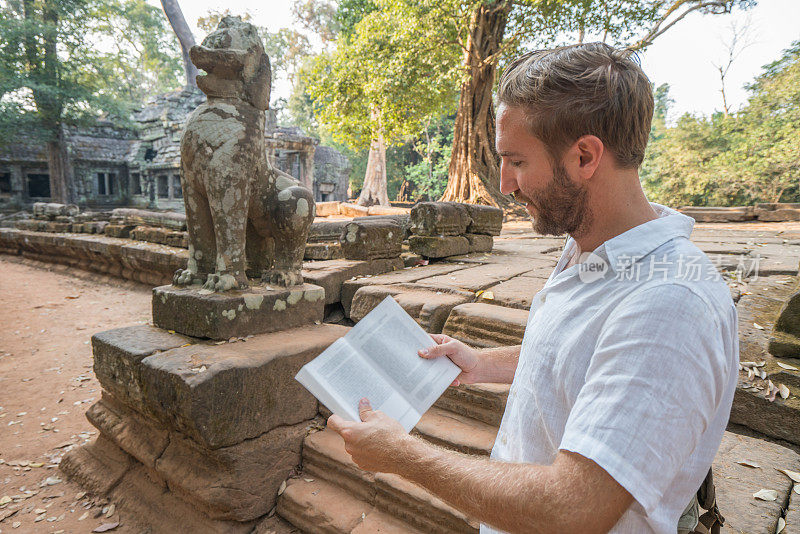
185,37
374,190
474,173
60,167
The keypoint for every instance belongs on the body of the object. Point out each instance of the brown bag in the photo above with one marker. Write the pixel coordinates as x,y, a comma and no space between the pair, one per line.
711,521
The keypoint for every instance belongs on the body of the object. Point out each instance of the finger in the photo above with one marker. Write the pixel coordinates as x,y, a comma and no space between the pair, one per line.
440,338
444,349
364,409
337,424
456,382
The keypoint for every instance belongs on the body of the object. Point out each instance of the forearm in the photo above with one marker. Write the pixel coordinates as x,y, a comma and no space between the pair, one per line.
515,498
498,365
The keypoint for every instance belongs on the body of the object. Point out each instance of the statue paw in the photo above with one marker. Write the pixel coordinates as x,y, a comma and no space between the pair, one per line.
184,277
283,278
223,282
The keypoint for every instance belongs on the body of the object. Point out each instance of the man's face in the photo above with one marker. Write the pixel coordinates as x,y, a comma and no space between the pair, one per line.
557,203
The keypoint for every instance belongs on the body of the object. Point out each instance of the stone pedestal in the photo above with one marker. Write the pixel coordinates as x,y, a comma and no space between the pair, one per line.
206,428
259,309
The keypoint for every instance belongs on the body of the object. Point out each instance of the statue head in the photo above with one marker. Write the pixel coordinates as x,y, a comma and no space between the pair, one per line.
236,64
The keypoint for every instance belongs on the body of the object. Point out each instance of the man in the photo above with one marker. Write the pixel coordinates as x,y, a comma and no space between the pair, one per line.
622,387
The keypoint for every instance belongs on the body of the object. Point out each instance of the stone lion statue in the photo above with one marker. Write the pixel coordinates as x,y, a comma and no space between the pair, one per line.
244,217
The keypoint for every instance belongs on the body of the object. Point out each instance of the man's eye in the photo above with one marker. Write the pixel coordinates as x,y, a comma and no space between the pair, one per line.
515,163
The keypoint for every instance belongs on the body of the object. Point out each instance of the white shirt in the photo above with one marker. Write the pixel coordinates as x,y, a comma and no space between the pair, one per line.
637,375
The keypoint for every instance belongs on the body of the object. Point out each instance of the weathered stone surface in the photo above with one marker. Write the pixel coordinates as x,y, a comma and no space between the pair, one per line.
50,210
118,230
439,219
778,419
403,219
220,395
479,242
777,212
486,325
195,312
428,307
348,209
439,247
326,231
484,219
330,275
404,276
517,292
323,251
244,217
118,353
793,514
719,214
475,278
326,209
159,219
97,466
318,506
482,402
736,484
785,339
372,239
456,431
238,483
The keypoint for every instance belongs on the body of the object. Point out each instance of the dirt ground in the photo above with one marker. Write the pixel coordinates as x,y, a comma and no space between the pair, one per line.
47,384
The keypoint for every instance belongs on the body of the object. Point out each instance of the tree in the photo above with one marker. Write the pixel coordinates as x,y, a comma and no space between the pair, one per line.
173,11
739,40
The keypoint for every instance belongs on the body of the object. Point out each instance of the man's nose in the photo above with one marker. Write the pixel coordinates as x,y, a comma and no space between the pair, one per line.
508,183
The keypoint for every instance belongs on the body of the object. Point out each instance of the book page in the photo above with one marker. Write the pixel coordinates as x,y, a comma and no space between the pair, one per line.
390,338
340,377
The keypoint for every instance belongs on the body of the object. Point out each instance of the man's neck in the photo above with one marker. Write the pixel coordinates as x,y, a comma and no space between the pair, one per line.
617,206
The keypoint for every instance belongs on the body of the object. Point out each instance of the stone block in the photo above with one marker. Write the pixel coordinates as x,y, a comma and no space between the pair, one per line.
404,276
326,209
58,227
479,242
97,466
403,219
439,219
96,227
159,219
486,325
484,219
348,209
178,239
371,240
439,247
119,352
118,230
778,215
221,395
428,307
518,292
150,234
326,231
323,251
238,483
477,277
331,275
199,313
719,214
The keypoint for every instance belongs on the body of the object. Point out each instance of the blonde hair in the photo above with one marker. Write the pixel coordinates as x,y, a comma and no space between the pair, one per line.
586,89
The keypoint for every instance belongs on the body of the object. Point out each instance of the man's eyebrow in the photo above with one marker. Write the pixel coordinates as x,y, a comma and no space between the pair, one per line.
509,154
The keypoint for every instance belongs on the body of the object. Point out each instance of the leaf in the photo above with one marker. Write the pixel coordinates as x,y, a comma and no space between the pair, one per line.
794,475
748,463
758,326
766,495
781,525
105,527
783,391
84,516
282,488
787,366
479,293
488,295
5,499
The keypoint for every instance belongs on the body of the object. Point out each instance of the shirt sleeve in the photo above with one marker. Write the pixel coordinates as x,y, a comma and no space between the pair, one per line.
654,383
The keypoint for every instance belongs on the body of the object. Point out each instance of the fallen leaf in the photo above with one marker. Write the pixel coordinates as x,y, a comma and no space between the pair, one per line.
750,373
762,373
488,295
5,499
39,518
40,511
748,463
794,475
787,366
80,495
84,516
105,527
309,479
4,514
758,326
766,495
784,391
16,524
111,510
282,488
781,525
51,481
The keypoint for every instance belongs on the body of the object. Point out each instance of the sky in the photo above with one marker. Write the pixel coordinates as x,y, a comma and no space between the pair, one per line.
684,57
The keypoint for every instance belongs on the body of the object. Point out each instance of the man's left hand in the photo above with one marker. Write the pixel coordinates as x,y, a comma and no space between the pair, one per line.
374,442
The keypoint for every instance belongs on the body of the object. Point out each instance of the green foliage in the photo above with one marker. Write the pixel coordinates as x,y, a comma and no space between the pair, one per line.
750,156
49,76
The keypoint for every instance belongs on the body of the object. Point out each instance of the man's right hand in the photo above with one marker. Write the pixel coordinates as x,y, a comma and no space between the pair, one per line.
460,354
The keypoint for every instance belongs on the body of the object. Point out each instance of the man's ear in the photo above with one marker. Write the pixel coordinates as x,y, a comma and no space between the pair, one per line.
585,155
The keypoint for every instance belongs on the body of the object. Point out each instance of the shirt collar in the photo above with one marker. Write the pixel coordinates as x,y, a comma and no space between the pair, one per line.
636,243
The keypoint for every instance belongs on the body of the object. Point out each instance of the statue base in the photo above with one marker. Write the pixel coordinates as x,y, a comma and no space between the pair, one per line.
260,309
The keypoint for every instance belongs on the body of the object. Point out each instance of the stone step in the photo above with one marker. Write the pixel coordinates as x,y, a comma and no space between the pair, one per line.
324,458
483,402
457,432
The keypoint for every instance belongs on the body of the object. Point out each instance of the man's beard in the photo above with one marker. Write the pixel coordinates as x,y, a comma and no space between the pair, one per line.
561,206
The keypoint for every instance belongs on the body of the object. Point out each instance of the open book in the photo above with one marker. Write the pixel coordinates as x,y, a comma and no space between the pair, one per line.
378,359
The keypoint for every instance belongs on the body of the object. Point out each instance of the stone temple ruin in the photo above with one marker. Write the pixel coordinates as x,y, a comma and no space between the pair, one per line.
140,166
